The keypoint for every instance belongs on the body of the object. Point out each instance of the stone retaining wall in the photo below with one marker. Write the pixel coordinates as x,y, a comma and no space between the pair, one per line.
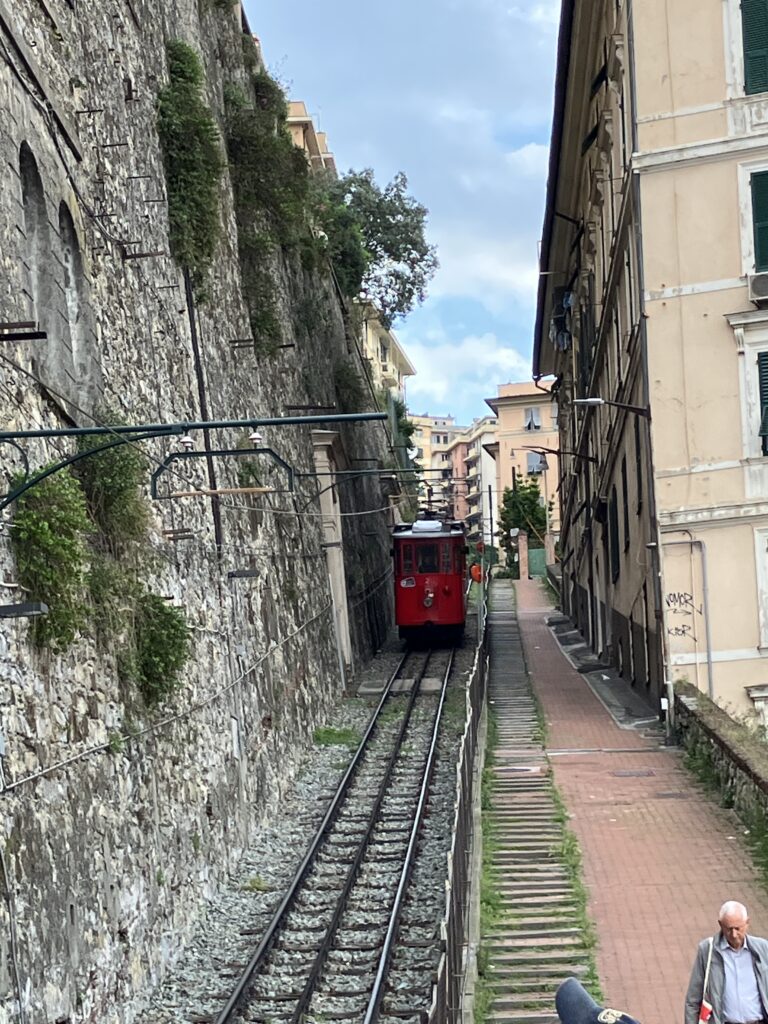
725,753
117,823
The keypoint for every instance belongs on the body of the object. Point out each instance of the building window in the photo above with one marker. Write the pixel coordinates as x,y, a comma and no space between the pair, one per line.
533,419
754,27
613,534
534,463
625,499
759,186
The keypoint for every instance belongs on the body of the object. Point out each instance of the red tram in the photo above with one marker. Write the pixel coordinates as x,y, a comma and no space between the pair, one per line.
430,579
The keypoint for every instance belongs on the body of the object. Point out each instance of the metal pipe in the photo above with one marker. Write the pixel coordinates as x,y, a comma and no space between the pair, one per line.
695,542
180,428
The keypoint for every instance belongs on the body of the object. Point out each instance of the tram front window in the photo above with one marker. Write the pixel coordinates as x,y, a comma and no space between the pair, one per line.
427,558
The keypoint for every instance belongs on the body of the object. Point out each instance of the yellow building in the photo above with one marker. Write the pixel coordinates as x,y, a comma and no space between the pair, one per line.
528,441
653,315
306,137
386,357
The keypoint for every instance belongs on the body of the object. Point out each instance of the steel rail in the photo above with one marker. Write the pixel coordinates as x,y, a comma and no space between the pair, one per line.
240,990
305,999
377,994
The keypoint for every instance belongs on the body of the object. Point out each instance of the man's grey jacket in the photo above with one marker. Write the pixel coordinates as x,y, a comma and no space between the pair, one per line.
716,986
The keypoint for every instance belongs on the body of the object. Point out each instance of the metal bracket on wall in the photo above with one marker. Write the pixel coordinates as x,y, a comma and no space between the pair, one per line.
226,453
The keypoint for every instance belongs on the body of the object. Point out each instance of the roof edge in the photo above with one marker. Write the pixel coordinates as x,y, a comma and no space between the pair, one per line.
555,146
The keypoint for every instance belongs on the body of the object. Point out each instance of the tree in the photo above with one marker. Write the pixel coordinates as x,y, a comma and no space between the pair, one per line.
376,240
522,509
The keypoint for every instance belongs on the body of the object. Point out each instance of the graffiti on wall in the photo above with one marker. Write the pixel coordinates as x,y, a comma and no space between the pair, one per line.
681,603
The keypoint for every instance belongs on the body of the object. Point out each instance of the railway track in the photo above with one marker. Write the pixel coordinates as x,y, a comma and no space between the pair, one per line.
327,952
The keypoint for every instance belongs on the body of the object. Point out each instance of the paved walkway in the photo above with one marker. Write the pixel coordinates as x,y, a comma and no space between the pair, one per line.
660,857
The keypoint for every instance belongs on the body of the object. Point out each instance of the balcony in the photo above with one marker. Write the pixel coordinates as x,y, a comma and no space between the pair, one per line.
390,378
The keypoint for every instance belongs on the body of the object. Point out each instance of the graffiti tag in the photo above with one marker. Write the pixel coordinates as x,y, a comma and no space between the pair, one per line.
680,602
684,630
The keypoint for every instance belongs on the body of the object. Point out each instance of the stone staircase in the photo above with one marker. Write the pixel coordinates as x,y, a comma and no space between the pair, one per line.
537,939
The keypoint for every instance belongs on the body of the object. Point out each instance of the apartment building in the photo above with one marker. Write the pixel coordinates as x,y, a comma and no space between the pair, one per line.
304,134
386,357
527,442
480,480
653,315
432,440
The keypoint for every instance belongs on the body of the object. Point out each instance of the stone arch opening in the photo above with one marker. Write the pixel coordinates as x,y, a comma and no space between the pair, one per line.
74,293
36,231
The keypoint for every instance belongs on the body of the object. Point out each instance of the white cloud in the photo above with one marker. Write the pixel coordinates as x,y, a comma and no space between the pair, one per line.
545,14
455,375
530,161
495,272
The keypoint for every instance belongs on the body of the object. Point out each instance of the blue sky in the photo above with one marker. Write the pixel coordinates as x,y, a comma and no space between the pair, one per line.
458,95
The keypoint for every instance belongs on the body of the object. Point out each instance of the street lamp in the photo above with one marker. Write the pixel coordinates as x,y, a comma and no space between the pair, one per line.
640,410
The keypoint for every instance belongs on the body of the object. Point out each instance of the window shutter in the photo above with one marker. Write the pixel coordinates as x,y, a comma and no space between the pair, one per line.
762,375
754,27
759,184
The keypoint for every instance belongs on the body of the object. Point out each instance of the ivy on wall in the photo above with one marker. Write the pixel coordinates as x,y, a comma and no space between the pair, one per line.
48,539
270,183
111,483
193,161
77,540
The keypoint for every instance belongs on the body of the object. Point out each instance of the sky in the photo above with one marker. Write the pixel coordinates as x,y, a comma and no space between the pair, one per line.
458,95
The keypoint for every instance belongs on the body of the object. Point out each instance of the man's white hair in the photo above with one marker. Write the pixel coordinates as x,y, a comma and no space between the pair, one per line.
732,907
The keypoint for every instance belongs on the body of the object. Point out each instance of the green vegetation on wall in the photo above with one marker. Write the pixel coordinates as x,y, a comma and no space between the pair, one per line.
350,390
86,570
193,161
48,538
270,182
111,481
162,647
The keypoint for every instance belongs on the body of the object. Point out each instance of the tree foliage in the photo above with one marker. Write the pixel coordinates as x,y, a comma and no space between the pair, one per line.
376,239
522,509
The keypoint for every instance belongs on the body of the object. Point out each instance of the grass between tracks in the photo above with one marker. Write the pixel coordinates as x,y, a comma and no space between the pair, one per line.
566,851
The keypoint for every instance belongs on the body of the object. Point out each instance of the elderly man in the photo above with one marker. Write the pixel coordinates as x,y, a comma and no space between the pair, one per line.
730,973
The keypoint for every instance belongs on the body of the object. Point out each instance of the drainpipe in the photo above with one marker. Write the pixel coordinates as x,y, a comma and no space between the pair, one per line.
653,546
694,542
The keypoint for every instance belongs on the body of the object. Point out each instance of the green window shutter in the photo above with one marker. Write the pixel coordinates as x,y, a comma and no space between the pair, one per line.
754,27
762,376
760,218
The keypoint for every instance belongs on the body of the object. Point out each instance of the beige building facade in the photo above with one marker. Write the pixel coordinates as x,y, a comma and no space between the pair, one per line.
528,442
432,440
386,357
304,134
653,298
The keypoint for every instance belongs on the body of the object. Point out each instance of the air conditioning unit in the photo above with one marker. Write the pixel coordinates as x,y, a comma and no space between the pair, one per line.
758,289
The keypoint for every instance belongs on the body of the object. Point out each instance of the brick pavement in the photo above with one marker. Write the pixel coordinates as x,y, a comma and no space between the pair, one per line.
659,855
